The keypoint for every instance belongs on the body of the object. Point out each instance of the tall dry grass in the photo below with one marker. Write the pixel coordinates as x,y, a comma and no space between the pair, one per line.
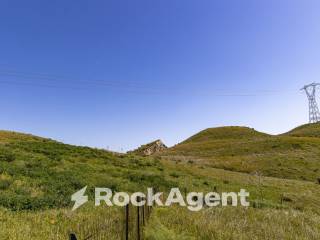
233,223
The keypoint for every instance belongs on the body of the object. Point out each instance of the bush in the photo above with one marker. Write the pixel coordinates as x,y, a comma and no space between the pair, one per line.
5,184
6,156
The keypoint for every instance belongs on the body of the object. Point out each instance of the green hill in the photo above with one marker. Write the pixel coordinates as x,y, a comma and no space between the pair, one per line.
308,130
39,175
225,133
246,150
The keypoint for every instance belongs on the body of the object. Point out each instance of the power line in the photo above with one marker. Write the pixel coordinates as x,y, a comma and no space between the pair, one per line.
76,84
60,82
54,78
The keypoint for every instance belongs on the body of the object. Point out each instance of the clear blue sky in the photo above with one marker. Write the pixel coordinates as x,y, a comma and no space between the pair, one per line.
121,73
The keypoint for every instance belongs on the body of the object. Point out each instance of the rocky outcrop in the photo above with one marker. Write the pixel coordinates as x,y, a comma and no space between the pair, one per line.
150,148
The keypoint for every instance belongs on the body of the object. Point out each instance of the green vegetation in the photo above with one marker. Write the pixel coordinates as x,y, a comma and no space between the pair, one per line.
308,130
280,208
245,150
232,223
37,173
38,177
56,224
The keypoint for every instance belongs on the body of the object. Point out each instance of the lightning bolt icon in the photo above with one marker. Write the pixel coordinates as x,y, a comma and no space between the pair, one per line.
79,198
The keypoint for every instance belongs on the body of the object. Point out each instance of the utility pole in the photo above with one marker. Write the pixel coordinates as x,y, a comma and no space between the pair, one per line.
314,113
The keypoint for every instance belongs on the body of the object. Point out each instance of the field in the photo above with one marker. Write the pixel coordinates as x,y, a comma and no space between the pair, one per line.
38,177
58,223
233,223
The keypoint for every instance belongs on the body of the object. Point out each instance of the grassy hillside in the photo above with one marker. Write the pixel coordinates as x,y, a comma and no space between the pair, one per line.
245,150
38,173
233,223
38,176
226,133
308,130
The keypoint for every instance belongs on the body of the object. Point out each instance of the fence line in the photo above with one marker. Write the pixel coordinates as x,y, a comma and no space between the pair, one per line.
134,220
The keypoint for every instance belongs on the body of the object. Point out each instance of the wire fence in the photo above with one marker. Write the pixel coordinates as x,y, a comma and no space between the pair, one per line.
129,226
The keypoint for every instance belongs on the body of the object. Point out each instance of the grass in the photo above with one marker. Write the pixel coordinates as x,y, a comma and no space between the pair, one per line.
245,150
38,177
232,223
38,173
58,223
265,192
308,130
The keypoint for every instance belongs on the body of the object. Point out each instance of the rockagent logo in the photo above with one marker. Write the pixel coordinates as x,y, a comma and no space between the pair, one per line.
194,201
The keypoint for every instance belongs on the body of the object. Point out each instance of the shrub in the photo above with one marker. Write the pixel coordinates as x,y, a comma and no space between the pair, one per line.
6,156
5,184
174,175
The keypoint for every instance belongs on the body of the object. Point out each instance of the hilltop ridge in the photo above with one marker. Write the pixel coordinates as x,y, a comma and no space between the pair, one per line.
294,155
307,130
232,132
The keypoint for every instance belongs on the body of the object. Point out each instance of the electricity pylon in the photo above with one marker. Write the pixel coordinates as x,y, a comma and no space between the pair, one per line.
314,114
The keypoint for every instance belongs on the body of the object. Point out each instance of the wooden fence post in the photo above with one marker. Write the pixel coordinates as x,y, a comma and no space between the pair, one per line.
143,212
127,221
138,223
72,236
